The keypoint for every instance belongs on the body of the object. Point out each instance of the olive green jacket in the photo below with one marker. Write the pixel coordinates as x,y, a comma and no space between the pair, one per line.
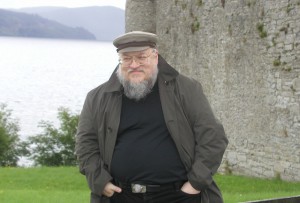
198,136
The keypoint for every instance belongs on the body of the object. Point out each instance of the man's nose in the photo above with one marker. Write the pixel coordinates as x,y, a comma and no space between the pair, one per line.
134,64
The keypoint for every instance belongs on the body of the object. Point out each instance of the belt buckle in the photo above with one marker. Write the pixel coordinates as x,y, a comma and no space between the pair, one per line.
138,188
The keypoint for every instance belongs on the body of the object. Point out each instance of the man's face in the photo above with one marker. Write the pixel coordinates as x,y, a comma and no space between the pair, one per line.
138,66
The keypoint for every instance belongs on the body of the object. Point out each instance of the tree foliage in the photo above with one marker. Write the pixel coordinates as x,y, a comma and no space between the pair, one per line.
55,146
9,138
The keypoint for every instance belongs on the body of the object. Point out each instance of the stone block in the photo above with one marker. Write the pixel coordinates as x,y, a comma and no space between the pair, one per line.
294,109
279,84
288,47
296,84
287,93
290,39
268,173
241,157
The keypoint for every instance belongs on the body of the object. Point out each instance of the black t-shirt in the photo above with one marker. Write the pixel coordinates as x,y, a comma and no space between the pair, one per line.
144,148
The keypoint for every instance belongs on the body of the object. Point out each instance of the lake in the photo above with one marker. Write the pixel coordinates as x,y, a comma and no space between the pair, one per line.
37,76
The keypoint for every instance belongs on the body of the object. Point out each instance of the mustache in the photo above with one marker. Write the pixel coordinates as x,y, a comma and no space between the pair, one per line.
134,70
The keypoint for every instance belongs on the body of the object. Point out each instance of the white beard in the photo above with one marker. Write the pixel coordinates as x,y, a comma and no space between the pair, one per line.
137,90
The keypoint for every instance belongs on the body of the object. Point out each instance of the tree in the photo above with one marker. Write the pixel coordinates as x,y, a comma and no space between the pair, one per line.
9,138
55,147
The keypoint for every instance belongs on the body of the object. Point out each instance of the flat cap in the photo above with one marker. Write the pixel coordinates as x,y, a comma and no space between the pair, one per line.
135,41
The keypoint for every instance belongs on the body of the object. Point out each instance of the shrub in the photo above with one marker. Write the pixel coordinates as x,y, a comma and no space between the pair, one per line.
9,138
55,146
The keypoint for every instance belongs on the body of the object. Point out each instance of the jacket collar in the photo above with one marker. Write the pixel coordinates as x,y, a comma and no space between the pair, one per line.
113,84
166,73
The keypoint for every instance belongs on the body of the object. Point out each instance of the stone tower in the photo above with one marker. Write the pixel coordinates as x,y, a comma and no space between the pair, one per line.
246,54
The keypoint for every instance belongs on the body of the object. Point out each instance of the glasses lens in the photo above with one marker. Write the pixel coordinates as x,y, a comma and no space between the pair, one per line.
140,59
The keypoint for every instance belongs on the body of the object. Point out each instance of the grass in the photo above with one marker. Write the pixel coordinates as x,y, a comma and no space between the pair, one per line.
66,185
47,185
242,189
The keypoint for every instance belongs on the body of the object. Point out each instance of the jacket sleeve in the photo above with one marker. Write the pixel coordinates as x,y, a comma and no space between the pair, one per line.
210,138
88,152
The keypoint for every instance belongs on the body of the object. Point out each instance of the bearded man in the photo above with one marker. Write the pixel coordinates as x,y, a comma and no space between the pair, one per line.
148,135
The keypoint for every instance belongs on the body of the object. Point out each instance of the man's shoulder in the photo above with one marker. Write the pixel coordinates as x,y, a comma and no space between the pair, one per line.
187,81
97,90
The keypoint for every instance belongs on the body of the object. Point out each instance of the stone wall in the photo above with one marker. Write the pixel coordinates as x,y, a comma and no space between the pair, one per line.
246,54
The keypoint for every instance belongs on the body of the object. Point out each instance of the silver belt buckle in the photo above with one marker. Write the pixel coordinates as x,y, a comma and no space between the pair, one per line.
138,188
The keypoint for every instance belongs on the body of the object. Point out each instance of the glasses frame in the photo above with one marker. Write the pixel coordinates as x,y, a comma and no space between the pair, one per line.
140,59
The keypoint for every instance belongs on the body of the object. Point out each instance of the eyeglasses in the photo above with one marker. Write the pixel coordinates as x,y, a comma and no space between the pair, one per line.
140,59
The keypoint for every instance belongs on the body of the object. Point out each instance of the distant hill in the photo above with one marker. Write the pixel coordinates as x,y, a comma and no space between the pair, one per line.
105,22
28,25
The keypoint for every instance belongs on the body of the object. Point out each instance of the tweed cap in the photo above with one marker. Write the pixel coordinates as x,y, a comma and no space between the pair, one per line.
135,41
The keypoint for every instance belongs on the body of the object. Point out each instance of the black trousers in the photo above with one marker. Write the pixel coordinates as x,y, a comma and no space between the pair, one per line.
169,195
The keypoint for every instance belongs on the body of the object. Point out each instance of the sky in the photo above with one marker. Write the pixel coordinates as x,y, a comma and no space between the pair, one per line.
15,4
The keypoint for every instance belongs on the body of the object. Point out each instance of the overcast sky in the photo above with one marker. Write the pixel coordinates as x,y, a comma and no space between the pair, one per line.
65,3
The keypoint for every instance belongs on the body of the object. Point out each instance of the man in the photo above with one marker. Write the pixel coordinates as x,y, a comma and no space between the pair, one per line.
148,135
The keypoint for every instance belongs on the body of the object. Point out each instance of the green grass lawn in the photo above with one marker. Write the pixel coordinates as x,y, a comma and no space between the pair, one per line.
66,185
242,189
46,185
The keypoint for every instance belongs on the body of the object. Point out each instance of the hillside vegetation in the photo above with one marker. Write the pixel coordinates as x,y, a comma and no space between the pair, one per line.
29,25
105,22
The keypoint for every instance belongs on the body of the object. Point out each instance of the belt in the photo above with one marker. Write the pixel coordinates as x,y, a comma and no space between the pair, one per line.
140,187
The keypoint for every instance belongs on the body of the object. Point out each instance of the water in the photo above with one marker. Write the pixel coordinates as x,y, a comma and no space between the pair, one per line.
37,76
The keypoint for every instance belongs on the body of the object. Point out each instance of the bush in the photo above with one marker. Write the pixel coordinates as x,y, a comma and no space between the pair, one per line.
55,147
9,138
